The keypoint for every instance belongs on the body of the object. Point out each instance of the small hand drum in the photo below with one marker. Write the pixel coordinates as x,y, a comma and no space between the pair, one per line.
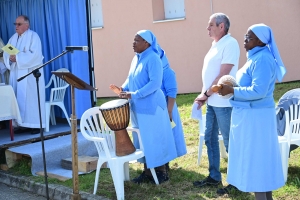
227,80
116,114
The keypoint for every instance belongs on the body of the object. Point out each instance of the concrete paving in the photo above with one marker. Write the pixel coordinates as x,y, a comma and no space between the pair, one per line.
12,193
37,190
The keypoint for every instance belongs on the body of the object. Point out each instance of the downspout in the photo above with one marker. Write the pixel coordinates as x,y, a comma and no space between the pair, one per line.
91,53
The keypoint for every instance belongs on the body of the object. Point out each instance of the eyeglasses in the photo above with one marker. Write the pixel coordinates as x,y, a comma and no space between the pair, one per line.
247,38
19,24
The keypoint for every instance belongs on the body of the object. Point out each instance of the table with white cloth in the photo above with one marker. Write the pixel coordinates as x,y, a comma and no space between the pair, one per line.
9,108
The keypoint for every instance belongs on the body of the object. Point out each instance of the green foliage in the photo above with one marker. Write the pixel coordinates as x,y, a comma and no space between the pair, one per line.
184,170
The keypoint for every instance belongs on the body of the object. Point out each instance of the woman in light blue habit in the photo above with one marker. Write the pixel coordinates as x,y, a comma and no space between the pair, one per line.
148,107
169,88
254,163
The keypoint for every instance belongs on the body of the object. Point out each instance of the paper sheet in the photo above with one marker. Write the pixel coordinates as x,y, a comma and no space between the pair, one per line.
173,124
10,49
196,114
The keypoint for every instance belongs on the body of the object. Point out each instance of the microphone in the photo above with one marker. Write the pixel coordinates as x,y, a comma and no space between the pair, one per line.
81,48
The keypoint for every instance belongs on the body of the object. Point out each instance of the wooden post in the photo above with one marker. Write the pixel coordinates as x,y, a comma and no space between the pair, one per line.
75,195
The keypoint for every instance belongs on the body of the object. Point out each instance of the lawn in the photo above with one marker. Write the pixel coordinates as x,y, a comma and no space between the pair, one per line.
184,170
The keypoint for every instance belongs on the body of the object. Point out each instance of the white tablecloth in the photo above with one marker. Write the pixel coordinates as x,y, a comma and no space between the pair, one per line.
9,108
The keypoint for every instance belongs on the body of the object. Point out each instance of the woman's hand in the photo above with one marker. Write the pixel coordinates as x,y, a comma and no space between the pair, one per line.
115,89
225,89
125,95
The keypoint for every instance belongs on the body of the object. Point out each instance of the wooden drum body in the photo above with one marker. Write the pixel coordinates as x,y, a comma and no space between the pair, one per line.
116,114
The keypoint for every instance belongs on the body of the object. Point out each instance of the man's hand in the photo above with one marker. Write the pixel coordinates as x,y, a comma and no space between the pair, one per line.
115,89
200,100
12,58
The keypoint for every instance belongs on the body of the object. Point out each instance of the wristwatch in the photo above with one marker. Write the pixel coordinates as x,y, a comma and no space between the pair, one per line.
205,93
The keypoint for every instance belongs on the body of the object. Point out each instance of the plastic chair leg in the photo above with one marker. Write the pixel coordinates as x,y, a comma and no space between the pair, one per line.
154,176
222,149
118,178
47,105
97,176
52,115
126,171
65,112
284,153
201,139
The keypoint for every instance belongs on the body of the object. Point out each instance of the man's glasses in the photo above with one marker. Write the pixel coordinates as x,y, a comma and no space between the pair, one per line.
19,24
247,38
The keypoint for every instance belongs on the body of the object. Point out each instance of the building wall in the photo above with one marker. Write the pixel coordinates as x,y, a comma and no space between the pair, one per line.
186,41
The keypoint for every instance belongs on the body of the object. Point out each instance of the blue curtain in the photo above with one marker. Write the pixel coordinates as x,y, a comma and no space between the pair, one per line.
59,23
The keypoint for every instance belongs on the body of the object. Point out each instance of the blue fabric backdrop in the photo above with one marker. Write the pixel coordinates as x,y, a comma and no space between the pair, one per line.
59,23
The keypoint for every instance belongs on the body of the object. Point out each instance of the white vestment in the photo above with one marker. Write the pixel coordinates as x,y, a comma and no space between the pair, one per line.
29,58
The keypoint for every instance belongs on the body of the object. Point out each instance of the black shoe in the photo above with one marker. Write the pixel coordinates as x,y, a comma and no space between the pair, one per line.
167,167
142,178
207,181
35,131
229,189
161,176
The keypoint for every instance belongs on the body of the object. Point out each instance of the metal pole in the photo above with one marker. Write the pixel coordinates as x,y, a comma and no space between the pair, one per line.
36,73
75,195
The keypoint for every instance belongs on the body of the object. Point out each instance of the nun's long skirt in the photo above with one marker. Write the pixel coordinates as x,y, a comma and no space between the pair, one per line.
254,162
157,137
178,132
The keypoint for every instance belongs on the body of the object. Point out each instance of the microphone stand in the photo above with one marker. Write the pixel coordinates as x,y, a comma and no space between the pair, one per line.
36,73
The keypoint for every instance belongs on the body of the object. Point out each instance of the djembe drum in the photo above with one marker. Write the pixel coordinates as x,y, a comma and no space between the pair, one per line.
227,80
116,115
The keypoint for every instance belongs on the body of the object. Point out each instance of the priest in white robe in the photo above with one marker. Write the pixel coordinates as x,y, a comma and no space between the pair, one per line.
26,60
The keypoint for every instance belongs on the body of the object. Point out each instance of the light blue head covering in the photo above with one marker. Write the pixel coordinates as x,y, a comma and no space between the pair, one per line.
163,57
265,34
150,38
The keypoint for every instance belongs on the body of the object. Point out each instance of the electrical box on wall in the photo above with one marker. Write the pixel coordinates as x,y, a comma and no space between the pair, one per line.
96,13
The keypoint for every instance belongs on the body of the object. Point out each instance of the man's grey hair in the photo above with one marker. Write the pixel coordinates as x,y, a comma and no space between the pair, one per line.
26,18
221,18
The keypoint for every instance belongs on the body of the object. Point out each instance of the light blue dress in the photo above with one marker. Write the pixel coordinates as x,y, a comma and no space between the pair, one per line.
254,163
149,109
169,88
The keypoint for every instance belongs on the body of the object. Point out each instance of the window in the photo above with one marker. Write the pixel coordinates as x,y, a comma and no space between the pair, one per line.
174,9
96,13
168,10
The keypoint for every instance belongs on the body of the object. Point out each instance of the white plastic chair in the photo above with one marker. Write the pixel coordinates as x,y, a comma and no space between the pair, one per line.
57,96
291,136
94,128
293,118
201,140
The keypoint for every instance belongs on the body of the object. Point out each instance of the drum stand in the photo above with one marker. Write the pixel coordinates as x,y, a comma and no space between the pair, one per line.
74,82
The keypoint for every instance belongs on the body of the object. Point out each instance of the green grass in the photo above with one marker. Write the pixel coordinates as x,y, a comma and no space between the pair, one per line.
184,170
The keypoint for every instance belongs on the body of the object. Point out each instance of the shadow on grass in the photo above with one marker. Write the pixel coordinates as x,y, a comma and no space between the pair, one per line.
180,186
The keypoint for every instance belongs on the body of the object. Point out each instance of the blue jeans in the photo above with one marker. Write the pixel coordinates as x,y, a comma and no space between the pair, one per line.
217,118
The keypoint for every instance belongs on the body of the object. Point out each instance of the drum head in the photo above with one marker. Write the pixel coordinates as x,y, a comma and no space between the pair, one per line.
114,103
